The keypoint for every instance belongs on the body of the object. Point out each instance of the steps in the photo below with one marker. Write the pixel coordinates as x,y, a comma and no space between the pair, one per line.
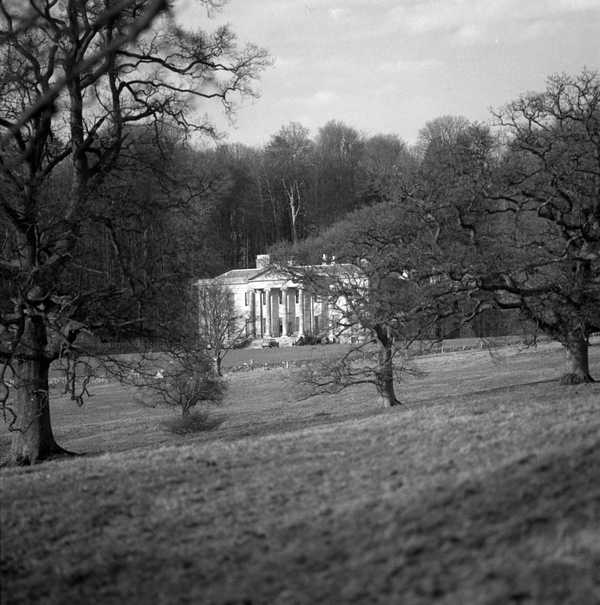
283,341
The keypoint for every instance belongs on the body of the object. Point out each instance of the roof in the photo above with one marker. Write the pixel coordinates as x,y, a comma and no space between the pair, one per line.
242,276
331,270
235,276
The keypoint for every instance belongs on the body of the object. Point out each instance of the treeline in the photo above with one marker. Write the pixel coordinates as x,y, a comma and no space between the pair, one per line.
488,221
168,213
170,210
515,208
294,187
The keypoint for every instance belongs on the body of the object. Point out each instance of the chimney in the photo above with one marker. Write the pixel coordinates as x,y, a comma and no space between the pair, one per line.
263,261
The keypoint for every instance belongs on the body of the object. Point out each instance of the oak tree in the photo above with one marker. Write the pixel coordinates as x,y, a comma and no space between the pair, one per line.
383,279
74,75
548,185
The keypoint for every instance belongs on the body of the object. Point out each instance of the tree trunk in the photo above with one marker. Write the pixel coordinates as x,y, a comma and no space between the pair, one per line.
32,436
578,369
384,374
218,361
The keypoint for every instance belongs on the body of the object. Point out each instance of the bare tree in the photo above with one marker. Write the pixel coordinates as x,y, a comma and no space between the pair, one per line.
338,154
74,75
547,195
220,328
386,167
385,294
525,209
183,379
289,161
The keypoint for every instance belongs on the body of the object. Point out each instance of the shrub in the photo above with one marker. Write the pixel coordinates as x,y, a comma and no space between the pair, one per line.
196,422
186,379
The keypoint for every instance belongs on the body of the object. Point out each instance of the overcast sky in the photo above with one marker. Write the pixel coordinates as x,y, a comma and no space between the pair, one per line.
389,66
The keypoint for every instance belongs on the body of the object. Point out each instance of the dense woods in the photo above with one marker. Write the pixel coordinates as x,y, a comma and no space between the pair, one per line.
296,186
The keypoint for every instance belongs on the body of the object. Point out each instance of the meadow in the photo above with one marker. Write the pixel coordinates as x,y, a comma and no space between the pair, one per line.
484,487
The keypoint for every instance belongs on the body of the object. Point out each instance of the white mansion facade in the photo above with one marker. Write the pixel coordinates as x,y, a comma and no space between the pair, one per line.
269,304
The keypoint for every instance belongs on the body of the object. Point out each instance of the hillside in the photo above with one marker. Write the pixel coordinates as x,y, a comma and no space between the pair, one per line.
483,488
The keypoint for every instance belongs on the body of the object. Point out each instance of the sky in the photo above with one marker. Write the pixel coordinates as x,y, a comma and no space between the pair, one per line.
384,66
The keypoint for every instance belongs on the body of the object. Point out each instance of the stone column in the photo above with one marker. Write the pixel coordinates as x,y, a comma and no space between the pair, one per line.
252,317
284,325
311,314
301,313
260,306
268,312
330,321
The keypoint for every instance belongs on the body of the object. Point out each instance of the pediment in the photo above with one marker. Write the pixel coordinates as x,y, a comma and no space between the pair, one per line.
269,274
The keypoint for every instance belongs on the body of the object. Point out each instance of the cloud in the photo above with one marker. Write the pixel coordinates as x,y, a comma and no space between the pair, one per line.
575,5
287,63
337,13
540,28
409,66
322,97
470,21
470,33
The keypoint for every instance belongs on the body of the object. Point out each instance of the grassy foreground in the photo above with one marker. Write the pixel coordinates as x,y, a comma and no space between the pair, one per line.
483,488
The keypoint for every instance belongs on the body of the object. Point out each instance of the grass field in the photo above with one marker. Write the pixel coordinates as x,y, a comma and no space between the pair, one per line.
483,488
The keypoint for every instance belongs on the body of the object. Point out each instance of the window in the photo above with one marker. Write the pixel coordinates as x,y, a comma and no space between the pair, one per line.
297,296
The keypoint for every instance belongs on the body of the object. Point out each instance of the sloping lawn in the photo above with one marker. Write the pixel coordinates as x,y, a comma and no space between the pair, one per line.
483,488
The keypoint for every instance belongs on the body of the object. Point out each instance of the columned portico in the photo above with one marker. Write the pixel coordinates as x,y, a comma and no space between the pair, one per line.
269,304
286,310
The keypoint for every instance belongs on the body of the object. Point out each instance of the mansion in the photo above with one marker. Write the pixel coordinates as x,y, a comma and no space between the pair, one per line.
269,304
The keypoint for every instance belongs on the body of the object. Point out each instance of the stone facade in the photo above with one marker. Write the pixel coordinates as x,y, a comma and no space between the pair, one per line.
270,305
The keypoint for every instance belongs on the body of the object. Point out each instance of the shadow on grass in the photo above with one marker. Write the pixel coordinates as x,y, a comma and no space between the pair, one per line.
273,427
539,512
525,533
197,422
